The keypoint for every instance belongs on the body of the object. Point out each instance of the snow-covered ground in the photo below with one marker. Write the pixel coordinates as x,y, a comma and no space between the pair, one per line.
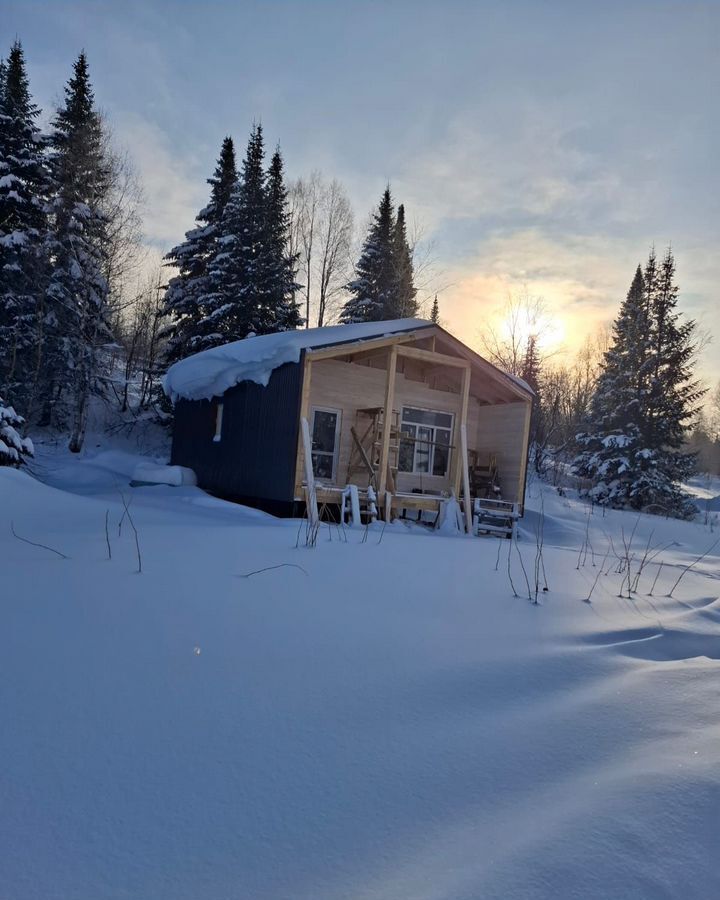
378,717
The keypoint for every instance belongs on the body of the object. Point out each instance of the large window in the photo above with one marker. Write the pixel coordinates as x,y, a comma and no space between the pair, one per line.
426,445
325,438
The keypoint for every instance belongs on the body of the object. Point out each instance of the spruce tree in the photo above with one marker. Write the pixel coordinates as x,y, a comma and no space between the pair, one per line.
13,447
531,372
183,298
435,312
373,288
23,194
402,303
644,401
252,275
282,266
78,290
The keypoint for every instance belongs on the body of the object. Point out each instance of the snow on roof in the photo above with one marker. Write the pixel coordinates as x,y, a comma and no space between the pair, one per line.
211,372
521,381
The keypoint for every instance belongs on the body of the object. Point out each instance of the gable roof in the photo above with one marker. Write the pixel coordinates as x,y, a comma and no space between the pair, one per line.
211,372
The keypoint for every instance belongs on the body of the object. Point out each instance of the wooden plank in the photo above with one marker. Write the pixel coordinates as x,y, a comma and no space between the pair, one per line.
459,463
349,349
431,356
466,478
361,451
481,364
416,501
500,431
348,387
387,417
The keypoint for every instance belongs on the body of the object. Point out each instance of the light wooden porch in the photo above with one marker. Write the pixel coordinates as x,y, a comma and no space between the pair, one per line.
361,381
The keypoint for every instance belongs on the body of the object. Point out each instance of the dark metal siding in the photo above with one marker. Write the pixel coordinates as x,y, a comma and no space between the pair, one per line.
255,460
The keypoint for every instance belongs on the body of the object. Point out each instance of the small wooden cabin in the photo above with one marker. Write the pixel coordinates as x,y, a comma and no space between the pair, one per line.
401,406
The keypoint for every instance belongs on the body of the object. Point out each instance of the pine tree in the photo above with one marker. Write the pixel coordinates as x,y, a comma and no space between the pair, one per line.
644,401
403,303
193,257
435,312
13,447
373,288
78,291
23,188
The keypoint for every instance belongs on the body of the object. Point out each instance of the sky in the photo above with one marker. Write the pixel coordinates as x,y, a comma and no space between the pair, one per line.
543,147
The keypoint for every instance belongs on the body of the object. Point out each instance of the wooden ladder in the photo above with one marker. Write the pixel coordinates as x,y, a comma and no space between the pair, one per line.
367,434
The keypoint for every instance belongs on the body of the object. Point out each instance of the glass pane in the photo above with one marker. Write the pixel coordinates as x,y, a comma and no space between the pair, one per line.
322,465
426,417
407,449
422,451
324,425
442,436
440,460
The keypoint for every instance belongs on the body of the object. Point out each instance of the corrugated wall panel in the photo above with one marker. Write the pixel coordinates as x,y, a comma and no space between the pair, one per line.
254,462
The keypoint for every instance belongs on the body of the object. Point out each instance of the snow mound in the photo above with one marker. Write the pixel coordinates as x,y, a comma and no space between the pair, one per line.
211,372
176,476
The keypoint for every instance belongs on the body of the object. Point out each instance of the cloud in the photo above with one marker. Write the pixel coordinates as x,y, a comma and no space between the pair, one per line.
582,279
174,189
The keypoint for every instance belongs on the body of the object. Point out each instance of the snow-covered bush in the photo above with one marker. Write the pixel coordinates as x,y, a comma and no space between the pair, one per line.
12,446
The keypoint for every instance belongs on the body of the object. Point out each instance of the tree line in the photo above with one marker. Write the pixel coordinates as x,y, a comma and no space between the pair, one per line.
68,234
265,258
625,416
261,257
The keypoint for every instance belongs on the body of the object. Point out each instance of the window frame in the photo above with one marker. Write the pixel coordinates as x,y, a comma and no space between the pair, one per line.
431,447
336,446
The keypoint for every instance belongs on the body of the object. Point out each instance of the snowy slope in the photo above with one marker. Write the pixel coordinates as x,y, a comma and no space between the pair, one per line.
371,720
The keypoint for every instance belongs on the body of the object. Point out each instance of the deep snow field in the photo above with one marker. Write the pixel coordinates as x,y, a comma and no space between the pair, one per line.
377,718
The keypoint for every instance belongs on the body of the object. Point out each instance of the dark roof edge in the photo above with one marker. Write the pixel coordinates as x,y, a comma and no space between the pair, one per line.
374,337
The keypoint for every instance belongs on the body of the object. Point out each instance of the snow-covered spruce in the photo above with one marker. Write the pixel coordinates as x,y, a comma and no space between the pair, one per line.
13,447
646,397
183,309
78,331
23,191
383,285
251,277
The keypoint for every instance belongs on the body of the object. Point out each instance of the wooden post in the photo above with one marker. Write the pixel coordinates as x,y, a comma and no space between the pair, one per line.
524,459
459,463
304,414
466,478
387,420
312,508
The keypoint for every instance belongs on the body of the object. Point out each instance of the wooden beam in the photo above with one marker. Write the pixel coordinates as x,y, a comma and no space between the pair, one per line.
349,349
387,418
458,462
361,451
484,366
430,356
